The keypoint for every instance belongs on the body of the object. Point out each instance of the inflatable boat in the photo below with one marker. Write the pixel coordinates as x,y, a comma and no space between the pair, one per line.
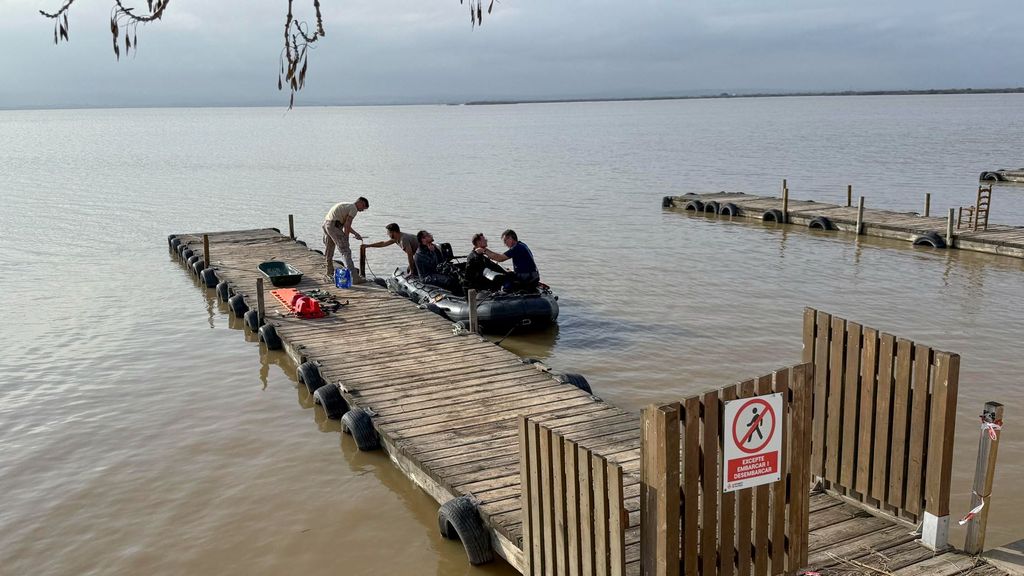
497,312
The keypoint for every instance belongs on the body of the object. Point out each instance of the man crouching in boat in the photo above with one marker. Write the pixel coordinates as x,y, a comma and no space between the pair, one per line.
428,261
407,242
525,275
481,272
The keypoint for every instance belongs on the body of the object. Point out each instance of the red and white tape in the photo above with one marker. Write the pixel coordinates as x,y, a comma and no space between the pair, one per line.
974,512
992,426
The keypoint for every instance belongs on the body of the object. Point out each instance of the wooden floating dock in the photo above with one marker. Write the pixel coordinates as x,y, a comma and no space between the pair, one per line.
450,411
996,239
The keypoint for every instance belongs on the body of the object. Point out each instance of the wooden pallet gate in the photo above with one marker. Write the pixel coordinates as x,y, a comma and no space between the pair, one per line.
884,420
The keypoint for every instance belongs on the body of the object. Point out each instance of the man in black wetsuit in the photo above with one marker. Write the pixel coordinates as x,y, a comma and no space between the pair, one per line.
428,261
481,272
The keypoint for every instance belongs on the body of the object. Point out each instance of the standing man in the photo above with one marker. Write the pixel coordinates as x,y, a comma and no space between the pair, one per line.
337,227
525,275
404,240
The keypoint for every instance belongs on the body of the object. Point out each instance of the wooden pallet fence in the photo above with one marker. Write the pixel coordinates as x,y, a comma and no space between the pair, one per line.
574,516
884,419
688,524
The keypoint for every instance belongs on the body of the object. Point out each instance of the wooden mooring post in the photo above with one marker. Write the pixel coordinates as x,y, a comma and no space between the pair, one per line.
471,301
206,249
785,203
849,195
261,308
860,216
949,228
291,226
988,448
659,490
927,204
362,260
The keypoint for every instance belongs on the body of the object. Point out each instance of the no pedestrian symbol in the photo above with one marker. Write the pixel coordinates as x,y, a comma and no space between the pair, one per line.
752,451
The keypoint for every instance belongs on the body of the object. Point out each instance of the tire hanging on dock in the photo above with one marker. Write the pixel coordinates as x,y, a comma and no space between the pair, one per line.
223,291
459,519
694,205
820,223
330,398
728,209
931,239
268,335
711,206
237,305
310,377
576,380
991,177
198,266
359,424
252,320
773,215
209,277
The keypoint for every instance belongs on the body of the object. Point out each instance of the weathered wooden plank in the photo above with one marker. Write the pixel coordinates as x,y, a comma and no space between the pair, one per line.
727,522
561,550
602,552
865,420
616,522
851,396
572,508
535,499
914,498
691,487
744,507
659,490
762,503
587,513
942,431
883,420
710,483
900,420
777,534
823,327
528,490
834,412
799,516
547,492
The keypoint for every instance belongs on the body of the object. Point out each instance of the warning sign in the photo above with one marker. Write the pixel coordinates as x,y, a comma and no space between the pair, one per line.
753,442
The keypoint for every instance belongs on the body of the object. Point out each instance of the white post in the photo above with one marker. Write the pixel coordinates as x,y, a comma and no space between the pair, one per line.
985,469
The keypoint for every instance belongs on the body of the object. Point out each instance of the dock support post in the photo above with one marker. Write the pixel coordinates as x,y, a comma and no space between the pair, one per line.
988,448
362,260
927,204
785,203
849,195
860,216
206,249
291,226
471,300
261,309
659,491
949,228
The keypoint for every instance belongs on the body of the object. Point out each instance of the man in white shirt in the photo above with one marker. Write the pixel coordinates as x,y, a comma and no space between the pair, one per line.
337,228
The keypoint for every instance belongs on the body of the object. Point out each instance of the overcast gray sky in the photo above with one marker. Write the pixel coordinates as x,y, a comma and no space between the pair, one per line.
226,52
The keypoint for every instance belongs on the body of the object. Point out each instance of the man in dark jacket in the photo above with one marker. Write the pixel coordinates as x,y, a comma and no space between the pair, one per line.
428,261
481,272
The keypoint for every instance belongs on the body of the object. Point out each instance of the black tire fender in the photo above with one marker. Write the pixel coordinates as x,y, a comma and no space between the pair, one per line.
931,239
576,380
209,277
668,202
820,223
252,320
174,243
330,398
181,250
192,260
359,424
991,176
694,205
223,291
711,206
300,243
459,519
728,209
268,335
310,377
198,266
773,215
237,305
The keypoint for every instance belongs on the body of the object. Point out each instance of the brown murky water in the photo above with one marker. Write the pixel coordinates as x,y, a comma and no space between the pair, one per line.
140,432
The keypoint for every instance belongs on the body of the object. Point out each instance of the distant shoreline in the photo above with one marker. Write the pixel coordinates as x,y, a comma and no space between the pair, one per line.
1019,90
